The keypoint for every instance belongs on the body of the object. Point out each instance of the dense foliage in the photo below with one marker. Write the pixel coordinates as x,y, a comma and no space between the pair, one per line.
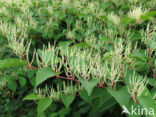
77,57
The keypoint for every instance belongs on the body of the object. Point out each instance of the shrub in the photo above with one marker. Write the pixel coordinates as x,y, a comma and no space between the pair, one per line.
77,58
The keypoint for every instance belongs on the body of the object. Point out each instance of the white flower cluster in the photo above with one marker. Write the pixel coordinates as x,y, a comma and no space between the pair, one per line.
137,85
136,13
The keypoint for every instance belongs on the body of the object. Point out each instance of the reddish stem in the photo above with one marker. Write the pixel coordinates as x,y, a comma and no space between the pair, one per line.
67,78
29,65
72,76
101,84
135,100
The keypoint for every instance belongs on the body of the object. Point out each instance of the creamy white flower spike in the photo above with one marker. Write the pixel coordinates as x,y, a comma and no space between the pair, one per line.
136,13
114,18
133,1
137,84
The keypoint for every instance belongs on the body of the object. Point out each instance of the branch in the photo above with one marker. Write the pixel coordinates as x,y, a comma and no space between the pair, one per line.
29,65
135,100
67,78
73,79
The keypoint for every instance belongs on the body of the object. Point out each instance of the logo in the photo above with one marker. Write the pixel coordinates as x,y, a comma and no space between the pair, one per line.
137,110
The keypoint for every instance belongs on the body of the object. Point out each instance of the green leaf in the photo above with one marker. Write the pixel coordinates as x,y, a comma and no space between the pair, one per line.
89,85
22,81
151,82
121,96
67,99
43,74
135,35
65,43
104,39
12,62
43,105
63,111
31,73
31,97
12,84
106,5
103,95
145,17
140,55
81,45
151,13
146,93
128,20
33,81
83,94
149,104
141,65
84,109
107,103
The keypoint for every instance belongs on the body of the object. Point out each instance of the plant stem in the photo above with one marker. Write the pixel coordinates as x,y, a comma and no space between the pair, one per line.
29,65
101,85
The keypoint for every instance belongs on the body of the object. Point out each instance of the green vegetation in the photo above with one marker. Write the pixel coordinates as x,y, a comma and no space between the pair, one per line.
73,58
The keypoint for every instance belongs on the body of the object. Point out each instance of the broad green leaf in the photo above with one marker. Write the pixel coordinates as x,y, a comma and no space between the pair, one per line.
145,17
149,104
63,111
12,84
139,55
31,97
121,96
43,104
64,43
43,74
67,99
107,103
141,65
146,93
106,5
151,81
81,45
83,94
12,62
99,92
131,106
125,8
22,81
31,73
128,20
31,76
135,35
84,109
104,39
53,114
89,85
33,81
151,13
103,96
